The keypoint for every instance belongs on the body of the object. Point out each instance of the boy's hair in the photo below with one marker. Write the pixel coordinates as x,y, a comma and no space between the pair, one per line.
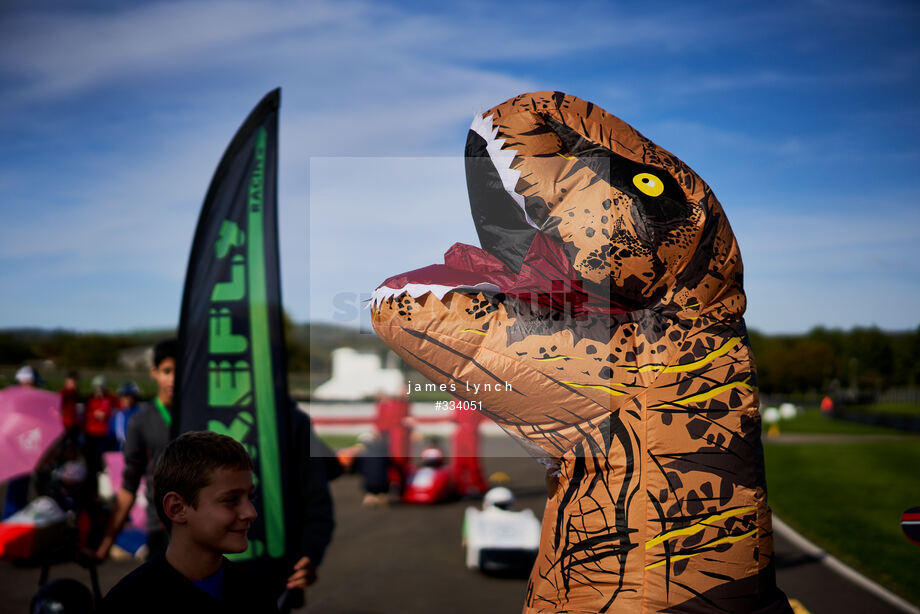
163,350
188,463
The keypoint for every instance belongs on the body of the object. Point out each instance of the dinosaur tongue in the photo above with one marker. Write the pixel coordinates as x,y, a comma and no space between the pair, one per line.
545,278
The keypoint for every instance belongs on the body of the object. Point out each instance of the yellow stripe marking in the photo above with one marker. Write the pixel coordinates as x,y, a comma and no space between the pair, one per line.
690,366
556,358
646,368
697,526
470,330
725,540
566,157
705,396
613,392
797,607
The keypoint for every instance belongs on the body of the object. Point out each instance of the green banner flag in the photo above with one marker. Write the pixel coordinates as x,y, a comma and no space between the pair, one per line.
231,372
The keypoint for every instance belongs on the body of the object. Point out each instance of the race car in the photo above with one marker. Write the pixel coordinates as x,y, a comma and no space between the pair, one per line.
431,482
498,539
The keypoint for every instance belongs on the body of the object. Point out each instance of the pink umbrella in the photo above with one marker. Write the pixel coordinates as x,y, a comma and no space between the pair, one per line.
30,421
115,462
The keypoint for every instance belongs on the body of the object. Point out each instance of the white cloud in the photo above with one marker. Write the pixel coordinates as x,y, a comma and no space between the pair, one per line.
56,54
359,79
371,218
133,208
66,52
704,137
858,266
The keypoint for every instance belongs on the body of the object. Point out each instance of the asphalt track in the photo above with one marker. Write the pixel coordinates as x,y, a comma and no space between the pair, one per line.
409,560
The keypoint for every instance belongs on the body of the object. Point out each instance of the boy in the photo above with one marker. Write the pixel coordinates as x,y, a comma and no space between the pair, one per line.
147,436
202,492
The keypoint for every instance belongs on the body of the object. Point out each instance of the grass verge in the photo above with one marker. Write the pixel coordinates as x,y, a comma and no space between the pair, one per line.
849,497
811,420
906,409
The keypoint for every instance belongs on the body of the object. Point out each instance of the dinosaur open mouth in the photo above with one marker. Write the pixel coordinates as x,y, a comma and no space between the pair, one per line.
519,257
546,278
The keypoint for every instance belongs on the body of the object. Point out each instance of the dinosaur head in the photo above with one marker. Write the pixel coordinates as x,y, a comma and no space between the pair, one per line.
630,218
574,208
586,228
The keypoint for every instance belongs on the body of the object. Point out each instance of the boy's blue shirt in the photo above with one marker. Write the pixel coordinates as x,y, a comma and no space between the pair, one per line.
213,584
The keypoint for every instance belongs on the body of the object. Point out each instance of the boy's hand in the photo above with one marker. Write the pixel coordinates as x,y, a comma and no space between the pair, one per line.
304,574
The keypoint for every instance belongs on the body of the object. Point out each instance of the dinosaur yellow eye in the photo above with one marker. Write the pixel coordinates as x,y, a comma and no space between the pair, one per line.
648,184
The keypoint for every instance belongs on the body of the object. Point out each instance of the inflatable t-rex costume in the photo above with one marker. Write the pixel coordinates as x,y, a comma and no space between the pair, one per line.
601,325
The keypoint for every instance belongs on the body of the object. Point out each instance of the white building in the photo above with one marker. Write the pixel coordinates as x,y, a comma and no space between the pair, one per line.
357,375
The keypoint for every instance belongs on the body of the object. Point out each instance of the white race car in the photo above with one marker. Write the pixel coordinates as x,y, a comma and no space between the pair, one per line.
498,539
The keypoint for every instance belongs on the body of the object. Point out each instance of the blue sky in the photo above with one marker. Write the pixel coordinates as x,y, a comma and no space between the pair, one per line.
801,116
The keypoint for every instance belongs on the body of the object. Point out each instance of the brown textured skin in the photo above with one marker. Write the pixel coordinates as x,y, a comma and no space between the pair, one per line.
661,503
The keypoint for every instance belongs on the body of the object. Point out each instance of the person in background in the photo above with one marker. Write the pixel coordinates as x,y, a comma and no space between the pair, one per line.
27,376
146,438
71,406
393,423
99,409
465,463
128,396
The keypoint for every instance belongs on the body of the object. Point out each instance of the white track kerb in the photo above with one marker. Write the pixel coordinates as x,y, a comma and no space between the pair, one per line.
842,569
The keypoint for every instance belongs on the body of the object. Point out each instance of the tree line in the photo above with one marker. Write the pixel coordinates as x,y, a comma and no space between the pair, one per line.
69,349
822,360
825,360
309,349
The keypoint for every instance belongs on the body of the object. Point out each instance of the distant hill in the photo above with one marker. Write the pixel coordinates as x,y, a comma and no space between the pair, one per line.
66,348
859,359
309,345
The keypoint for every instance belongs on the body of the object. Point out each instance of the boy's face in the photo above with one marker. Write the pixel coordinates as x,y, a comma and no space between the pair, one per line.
224,513
164,375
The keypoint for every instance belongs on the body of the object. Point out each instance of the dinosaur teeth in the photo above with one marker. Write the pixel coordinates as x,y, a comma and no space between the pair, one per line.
384,293
501,159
